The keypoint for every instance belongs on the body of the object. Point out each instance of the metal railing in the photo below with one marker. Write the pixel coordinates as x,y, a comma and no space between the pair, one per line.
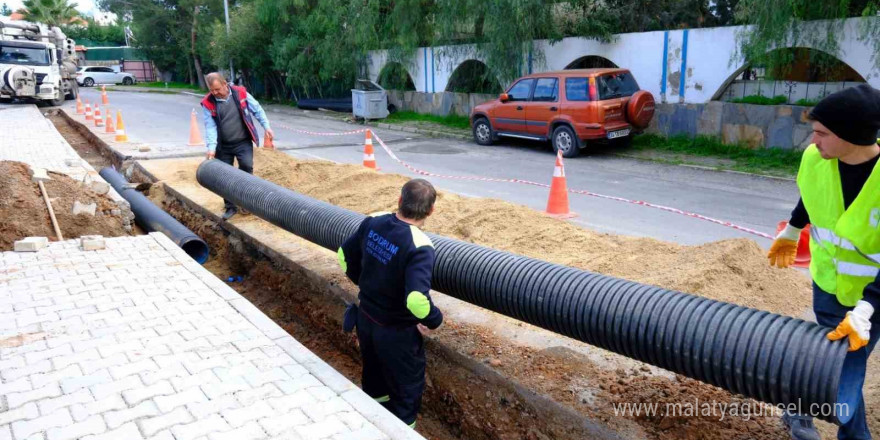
793,90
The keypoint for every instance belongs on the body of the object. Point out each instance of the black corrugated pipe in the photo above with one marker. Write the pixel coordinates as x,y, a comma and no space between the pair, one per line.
768,357
153,219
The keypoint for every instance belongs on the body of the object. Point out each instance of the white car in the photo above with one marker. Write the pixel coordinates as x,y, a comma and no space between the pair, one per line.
90,75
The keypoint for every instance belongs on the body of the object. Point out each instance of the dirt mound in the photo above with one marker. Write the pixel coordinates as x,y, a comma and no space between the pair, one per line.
24,212
730,270
734,270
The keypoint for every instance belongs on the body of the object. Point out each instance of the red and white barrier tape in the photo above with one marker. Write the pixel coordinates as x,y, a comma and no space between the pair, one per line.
314,133
576,191
529,182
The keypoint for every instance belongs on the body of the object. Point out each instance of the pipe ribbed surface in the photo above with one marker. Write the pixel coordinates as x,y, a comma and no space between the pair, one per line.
153,219
768,357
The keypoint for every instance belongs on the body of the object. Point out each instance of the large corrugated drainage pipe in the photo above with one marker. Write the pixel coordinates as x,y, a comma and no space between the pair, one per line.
768,357
153,219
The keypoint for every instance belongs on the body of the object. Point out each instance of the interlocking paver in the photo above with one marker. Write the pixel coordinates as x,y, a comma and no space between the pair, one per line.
153,425
83,411
129,431
172,358
241,416
190,396
94,425
251,431
116,419
48,406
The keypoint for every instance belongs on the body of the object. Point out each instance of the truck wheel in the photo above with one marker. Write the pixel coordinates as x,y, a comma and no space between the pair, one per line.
74,92
59,101
565,140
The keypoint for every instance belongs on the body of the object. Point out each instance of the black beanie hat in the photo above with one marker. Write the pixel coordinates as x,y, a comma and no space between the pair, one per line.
852,114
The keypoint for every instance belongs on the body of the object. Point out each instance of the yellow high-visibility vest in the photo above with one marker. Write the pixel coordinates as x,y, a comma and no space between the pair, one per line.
844,243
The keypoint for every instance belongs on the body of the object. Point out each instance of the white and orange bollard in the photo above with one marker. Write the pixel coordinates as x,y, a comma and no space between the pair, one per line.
99,121
108,124
557,203
369,155
195,136
120,128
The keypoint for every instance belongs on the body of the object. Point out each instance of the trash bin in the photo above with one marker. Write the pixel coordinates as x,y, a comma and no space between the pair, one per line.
369,100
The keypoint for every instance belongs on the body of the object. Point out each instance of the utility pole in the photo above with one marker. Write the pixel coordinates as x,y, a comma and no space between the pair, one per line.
226,12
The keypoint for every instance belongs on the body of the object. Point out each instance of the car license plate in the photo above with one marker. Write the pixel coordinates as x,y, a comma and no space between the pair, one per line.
618,133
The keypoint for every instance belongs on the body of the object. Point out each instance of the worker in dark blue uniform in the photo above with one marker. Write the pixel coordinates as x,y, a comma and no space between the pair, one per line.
391,260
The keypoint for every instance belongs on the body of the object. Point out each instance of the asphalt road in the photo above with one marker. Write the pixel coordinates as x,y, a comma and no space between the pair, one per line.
749,201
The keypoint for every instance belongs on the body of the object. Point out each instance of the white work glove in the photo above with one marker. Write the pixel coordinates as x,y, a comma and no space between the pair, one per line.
856,326
784,249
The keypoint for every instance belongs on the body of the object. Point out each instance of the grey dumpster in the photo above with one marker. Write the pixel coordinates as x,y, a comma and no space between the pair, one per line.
369,100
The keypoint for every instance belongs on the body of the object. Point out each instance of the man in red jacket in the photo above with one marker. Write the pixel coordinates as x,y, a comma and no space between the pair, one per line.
229,126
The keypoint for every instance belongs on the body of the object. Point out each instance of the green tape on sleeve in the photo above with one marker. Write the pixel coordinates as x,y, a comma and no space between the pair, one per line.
418,304
342,263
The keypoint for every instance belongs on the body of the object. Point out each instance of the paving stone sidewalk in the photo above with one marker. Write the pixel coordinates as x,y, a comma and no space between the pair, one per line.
29,137
138,341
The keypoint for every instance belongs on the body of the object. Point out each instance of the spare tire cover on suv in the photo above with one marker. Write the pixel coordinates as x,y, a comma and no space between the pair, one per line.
640,109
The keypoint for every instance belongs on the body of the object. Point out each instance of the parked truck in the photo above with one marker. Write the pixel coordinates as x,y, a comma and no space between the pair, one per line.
37,62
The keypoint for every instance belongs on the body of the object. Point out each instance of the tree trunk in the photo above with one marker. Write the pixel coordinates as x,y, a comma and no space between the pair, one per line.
196,63
277,86
189,72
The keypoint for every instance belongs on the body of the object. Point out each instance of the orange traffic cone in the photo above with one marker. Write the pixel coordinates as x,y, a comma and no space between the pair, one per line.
195,137
89,112
369,157
803,257
120,128
79,107
557,204
268,143
109,125
99,121
104,99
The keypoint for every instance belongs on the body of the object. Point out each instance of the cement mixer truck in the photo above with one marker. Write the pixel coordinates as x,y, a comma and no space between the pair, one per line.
37,62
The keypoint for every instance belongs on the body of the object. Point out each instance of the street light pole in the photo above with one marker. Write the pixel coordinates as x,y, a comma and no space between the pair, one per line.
226,12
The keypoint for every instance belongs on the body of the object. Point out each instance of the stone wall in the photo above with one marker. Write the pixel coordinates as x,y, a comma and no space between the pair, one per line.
758,126
440,104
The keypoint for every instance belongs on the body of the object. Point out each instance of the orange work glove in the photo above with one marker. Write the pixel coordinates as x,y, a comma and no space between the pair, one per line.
784,248
856,326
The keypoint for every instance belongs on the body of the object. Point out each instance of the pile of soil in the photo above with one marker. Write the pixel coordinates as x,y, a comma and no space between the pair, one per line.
734,271
730,270
24,211
464,402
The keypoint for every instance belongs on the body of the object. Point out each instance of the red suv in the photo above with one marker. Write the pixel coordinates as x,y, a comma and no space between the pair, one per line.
568,107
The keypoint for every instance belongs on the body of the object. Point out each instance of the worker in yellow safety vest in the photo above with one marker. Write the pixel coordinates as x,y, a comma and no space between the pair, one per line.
839,182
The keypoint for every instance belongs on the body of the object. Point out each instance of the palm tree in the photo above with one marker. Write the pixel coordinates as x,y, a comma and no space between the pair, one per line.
50,12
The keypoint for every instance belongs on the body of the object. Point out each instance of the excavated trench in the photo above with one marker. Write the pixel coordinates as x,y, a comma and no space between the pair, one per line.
461,401
480,386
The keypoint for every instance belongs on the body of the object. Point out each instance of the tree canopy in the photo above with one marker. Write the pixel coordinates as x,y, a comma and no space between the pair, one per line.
50,12
316,48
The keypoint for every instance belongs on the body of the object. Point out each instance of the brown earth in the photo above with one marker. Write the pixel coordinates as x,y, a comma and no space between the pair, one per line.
24,212
93,154
730,270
